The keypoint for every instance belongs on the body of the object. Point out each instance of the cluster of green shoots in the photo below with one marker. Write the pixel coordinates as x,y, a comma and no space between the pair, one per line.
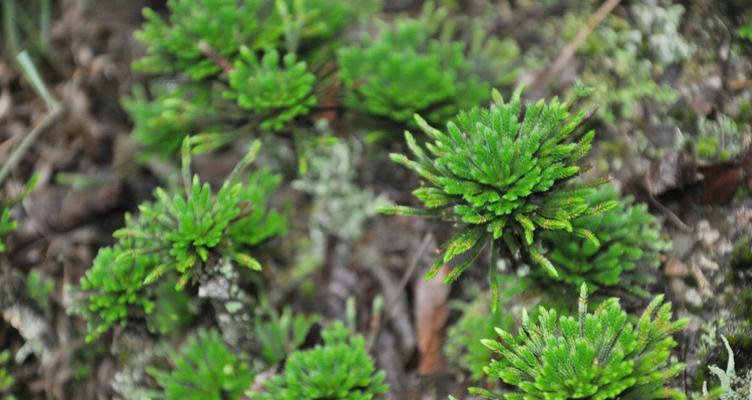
599,355
507,176
6,380
504,174
7,223
181,235
340,368
628,252
409,69
226,69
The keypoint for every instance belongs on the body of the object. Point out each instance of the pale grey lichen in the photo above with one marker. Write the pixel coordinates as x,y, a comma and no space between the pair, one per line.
734,387
339,206
659,24
232,304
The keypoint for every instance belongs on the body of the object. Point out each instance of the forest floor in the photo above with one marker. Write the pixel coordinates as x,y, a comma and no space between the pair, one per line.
89,175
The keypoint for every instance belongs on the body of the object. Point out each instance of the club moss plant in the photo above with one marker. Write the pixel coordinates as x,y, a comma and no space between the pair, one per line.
598,355
503,174
180,235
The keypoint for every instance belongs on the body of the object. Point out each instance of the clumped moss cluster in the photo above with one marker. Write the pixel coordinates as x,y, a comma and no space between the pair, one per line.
6,380
504,173
338,369
629,250
7,225
271,83
204,369
180,235
408,68
225,67
599,355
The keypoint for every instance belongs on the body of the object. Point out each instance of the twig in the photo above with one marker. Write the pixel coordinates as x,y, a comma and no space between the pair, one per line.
392,304
377,322
706,289
217,58
669,214
554,69
55,110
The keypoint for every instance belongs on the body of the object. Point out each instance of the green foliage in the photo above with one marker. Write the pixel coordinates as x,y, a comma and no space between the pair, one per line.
745,31
6,380
173,309
267,88
190,227
339,369
7,225
161,123
198,32
223,26
720,138
117,288
258,223
503,172
204,369
181,235
205,48
732,386
408,70
597,355
463,345
496,58
309,23
281,334
40,289
629,237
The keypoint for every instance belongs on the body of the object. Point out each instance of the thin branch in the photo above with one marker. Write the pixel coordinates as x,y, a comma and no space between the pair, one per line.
217,58
669,214
391,306
387,311
554,69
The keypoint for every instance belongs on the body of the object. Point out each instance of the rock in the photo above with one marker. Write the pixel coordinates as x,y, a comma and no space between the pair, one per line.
706,263
725,247
675,268
707,234
682,244
678,287
693,298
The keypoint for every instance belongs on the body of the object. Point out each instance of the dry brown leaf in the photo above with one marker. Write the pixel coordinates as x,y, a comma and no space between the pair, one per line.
431,314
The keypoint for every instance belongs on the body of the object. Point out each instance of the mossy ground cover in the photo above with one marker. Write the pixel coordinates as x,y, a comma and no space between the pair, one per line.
218,199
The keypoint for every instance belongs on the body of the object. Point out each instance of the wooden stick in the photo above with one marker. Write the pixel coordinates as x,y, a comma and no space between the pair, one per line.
554,69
